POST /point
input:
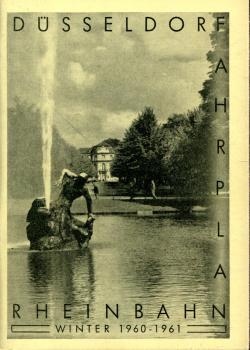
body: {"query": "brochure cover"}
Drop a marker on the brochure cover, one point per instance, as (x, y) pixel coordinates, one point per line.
(124, 187)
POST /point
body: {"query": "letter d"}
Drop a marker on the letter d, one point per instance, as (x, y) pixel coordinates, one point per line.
(15, 23)
(147, 29)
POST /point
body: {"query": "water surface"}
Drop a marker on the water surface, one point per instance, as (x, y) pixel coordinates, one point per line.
(130, 260)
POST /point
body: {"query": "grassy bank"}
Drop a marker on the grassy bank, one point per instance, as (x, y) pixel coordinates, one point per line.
(109, 205)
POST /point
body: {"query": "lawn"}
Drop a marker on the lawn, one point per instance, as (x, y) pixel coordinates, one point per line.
(108, 205)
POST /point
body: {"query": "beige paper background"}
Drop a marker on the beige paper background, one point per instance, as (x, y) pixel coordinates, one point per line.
(239, 185)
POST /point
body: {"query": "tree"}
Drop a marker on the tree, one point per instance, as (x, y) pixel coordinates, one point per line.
(25, 177)
(217, 82)
(140, 156)
(192, 167)
(217, 87)
(79, 163)
(110, 142)
(187, 170)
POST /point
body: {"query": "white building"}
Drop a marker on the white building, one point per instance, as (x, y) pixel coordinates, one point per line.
(101, 157)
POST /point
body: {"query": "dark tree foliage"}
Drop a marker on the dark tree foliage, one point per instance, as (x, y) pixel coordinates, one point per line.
(191, 164)
(140, 155)
(25, 177)
(217, 83)
(187, 170)
(217, 86)
(79, 163)
(111, 142)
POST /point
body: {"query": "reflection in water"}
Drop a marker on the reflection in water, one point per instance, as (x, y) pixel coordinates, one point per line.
(151, 270)
(40, 270)
(145, 260)
(66, 276)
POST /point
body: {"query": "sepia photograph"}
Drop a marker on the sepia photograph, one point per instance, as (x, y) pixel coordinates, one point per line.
(118, 175)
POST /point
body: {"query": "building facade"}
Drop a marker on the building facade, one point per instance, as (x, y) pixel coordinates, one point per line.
(102, 157)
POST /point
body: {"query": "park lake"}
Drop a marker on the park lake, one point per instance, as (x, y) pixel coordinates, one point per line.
(165, 259)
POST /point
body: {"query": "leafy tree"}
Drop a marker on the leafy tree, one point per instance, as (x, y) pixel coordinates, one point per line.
(140, 155)
(81, 163)
(192, 166)
(217, 86)
(187, 170)
(217, 83)
(110, 142)
(25, 177)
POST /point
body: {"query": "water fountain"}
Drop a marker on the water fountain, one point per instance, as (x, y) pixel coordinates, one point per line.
(47, 77)
(51, 225)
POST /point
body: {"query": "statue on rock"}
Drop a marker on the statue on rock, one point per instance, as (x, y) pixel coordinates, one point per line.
(57, 228)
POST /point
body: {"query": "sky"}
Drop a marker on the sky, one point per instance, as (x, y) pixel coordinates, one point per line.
(102, 80)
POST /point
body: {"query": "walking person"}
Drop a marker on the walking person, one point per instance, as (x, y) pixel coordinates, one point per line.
(96, 190)
(153, 189)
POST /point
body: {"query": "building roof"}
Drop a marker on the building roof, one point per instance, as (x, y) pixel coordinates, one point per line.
(111, 144)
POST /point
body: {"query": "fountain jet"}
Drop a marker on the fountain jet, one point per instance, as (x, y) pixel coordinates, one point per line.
(47, 76)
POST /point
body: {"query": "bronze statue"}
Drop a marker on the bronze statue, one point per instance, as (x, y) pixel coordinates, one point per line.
(56, 228)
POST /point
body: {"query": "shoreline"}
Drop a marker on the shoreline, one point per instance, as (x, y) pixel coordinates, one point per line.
(139, 206)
